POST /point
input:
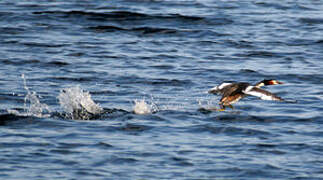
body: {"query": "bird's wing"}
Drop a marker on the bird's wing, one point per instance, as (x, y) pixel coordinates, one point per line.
(232, 92)
(220, 88)
(262, 94)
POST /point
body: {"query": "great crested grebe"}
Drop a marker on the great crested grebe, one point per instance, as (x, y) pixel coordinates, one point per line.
(233, 91)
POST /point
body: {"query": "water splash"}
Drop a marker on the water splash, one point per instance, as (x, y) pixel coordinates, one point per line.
(78, 104)
(143, 107)
(32, 105)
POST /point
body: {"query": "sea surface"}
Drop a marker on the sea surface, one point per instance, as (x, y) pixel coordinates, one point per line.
(118, 89)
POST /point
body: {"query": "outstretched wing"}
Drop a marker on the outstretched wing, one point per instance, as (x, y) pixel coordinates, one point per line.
(262, 94)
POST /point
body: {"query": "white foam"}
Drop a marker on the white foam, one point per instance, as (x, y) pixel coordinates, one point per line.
(142, 107)
(74, 99)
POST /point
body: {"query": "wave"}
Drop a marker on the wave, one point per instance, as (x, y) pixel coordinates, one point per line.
(119, 15)
(7, 118)
(128, 17)
(109, 15)
(310, 21)
(144, 30)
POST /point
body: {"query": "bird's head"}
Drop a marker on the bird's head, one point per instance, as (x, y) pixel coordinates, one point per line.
(271, 82)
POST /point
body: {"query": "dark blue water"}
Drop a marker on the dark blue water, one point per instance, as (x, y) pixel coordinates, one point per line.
(167, 53)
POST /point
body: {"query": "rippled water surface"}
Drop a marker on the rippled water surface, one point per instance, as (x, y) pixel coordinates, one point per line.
(140, 70)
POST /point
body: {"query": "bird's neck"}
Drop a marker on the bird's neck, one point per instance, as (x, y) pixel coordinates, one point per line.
(260, 84)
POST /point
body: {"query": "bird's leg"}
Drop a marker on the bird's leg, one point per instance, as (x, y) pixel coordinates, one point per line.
(222, 107)
(231, 106)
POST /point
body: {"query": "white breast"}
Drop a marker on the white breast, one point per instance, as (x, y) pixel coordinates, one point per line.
(262, 94)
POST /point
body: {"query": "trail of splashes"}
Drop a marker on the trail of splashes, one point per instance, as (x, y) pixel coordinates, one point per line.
(154, 104)
(207, 102)
(34, 107)
(78, 104)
